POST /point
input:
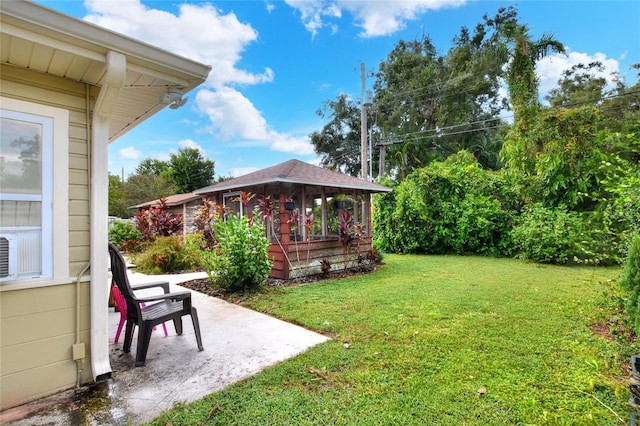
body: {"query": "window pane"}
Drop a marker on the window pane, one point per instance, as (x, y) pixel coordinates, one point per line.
(314, 217)
(231, 206)
(333, 209)
(20, 156)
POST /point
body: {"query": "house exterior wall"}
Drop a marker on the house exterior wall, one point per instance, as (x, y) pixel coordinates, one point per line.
(38, 319)
(188, 213)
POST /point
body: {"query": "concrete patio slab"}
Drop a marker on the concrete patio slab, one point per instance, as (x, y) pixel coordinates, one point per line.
(238, 343)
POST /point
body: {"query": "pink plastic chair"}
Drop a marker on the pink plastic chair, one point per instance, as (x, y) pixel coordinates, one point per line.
(122, 308)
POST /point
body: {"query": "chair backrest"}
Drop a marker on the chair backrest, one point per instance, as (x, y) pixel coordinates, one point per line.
(121, 303)
(119, 273)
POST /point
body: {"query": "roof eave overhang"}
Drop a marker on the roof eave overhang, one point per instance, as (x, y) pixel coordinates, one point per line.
(86, 42)
(295, 182)
(85, 39)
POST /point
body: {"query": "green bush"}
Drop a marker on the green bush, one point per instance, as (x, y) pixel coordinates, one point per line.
(241, 260)
(630, 281)
(453, 206)
(619, 208)
(548, 235)
(169, 255)
(124, 235)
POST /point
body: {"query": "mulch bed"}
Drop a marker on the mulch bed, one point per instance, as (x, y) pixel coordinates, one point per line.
(204, 286)
(614, 329)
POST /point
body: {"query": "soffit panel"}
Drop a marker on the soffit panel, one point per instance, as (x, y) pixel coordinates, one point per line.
(150, 71)
(41, 57)
(76, 70)
(19, 52)
(94, 72)
(60, 62)
(140, 98)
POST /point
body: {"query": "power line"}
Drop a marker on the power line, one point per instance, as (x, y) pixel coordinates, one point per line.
(602, 98)
(389, 102)
(455, 126)
(420, 132)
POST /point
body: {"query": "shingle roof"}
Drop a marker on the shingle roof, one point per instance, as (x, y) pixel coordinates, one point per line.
(297, 172)
(171, 201)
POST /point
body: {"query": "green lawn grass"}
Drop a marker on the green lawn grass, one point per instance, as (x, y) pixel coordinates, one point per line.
(439, 340)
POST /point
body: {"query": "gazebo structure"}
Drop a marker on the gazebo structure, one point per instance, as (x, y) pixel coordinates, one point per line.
(313, 208)
(185, 205)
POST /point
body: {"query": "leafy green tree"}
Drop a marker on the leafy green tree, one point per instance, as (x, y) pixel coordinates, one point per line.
(338, 143)
(584, 85)
(523, 53)
(426, 106)
(117, 197)
(434, 105)
(153, 167)
(189, 170)
(579, 85)
(567, 161)
(619, 109)
(145, 187)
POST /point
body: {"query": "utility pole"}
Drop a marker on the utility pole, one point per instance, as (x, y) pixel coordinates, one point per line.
(381, 160)
(383, 147)
(363, 127)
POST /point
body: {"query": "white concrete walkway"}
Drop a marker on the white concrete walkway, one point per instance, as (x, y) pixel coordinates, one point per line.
(238, 343)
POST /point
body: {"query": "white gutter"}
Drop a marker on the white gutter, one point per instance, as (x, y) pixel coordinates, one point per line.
(116, 67)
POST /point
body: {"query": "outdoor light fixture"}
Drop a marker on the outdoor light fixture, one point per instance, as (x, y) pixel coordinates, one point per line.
(173, 98)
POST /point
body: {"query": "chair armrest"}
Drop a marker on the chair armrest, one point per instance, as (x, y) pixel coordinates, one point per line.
(163, 284)
(180, 295)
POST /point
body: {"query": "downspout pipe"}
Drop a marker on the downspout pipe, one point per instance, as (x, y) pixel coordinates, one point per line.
(116, 69)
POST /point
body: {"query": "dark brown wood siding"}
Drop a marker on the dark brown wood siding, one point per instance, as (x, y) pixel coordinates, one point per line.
(304, 258)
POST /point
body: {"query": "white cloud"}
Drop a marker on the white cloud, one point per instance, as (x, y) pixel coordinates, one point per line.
(203, 33)
(188, 143)
(199, 31)
(313, 12)
(232, 114)
(240, 171)
(129, 153)
(294, 145)
(235, 118)
(165, 156)
(549, 70)
(270, 6)
(386, 17)
(376, 18)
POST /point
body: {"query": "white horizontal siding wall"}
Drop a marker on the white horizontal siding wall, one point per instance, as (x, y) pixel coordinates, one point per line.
(37, 324)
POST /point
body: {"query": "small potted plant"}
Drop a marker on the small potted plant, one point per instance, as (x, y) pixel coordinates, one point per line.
(289, 204)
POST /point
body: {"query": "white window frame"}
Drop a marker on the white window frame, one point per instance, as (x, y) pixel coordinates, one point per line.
(55, 177)
(230, 196)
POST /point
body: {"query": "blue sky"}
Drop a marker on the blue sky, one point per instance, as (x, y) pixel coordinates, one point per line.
(276, 62)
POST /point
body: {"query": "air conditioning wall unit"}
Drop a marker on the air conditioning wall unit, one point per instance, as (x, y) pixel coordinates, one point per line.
(8, 257)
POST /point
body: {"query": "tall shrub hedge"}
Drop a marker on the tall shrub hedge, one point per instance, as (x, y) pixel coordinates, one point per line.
(630, 281)
(454, 206)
